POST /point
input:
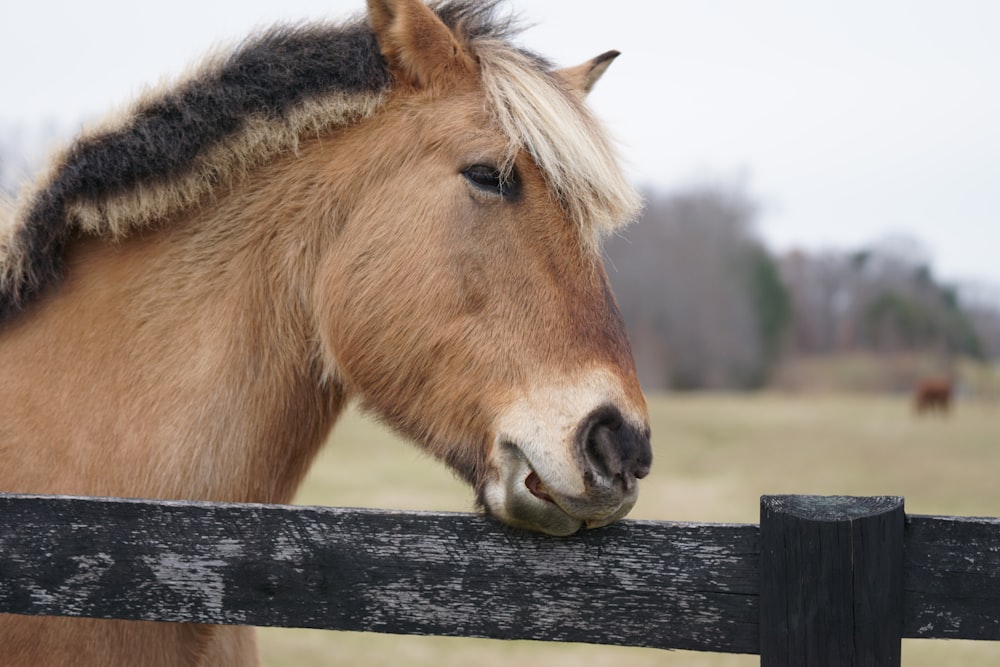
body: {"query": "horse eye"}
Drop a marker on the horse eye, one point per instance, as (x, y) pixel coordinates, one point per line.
(488, 178)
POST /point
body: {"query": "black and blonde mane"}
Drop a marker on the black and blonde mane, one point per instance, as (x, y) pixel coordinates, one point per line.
(238, 110)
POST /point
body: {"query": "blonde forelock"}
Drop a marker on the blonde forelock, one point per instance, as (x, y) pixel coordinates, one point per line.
(571, 148)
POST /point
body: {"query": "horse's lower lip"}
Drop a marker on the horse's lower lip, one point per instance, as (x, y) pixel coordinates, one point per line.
(534, 484)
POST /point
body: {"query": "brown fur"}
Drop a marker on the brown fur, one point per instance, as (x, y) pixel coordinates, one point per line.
(933, 394)
(207, 357)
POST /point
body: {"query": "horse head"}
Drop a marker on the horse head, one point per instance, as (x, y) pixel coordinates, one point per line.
(464, 300)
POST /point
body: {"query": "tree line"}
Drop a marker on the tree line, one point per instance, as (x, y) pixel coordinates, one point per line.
(709, 306)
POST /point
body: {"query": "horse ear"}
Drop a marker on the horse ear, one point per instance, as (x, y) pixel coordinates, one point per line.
(420, 49)
(583, 77)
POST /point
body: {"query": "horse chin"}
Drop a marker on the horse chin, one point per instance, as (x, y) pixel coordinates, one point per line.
(524, 510)
(520, 498)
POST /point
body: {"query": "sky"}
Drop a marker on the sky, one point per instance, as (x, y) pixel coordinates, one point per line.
(849, 121)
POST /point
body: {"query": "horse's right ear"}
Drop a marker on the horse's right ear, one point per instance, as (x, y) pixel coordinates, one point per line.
(583, 77)
(420, 50)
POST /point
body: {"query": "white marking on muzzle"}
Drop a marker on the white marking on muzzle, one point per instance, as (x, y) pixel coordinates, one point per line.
(543, 423)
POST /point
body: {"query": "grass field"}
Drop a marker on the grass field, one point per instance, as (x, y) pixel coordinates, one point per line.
(714, 455)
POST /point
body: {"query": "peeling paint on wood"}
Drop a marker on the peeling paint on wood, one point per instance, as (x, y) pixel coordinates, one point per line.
(951, 588)
(666, 585)
(635, 583)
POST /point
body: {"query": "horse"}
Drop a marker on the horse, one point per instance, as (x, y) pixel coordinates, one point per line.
(402, 211)
(933, 394)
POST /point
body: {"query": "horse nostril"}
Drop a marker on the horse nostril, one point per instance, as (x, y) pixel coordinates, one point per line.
(613, 448)
(600, 449)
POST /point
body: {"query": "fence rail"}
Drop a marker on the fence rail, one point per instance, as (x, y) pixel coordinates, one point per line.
(816, 570)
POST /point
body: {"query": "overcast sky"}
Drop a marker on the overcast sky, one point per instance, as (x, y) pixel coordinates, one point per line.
(850, 120)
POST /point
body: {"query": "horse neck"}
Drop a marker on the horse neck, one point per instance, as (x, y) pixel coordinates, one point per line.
(252, 260)
(195, 348)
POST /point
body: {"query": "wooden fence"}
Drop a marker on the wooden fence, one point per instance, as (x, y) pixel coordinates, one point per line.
(821, 581)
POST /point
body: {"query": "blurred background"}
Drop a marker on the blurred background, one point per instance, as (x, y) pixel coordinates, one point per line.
(821, 233)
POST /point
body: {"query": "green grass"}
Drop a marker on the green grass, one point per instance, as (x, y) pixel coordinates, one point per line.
(715, 455)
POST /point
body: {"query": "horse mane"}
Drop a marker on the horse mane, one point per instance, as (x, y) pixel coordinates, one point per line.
(178, 144)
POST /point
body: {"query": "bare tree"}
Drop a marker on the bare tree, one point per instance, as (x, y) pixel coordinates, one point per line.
(693, 282)
(884, 298)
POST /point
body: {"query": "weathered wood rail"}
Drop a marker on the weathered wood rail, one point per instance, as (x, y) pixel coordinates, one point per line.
(821, 581)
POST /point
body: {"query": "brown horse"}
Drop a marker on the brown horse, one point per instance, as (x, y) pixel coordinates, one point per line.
(405, 211)
(933, 394)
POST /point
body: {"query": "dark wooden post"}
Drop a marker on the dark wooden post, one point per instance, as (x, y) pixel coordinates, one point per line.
(831, 589)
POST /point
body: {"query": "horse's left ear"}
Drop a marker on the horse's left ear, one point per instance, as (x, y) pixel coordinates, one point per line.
(420, 49)
(583, 77)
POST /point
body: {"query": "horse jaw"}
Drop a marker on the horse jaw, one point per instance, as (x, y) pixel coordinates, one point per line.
(542, 477)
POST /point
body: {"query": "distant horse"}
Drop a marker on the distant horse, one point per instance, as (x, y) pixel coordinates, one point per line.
(405, 211)
(933, 394)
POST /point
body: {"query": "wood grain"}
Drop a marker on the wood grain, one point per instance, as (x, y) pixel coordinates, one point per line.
(952, 578)
(635, 583)
(665, 585)
(832, 581)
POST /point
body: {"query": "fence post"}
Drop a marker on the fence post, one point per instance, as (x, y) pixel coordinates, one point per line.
(831, 590)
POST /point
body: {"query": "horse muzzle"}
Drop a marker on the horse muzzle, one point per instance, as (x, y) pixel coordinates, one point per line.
(553, 492)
